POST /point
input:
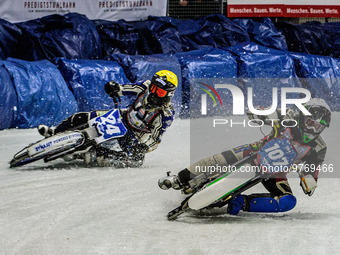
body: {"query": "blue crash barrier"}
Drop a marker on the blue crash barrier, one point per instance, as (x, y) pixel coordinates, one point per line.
(8, 99)
(70, 36)
(263, 68)
(158, 36)
(209, 67)
(154, 36)
(312, 37)
(332, 31)
(264, 33)
(321, 76)
(162, 35)
(119, 37)
(9, 38)
(73, 36)
(211, 31)
(42, 94)
(35, 92)
(87, 78)
(143, 67)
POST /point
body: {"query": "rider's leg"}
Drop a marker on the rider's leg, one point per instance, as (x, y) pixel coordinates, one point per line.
(187, 176)
(280, 198)
(75, 120)
(197, 169)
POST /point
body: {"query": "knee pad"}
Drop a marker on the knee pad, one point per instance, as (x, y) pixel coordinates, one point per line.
(269, 204)
(287, 203)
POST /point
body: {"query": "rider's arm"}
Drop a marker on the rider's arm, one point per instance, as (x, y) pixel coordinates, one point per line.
(134, 89)
(310, 173)
(114, 89)
(315, 158)
(158, 127)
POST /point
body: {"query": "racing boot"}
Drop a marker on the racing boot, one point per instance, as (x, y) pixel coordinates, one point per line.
(169, 181)
(46, 131)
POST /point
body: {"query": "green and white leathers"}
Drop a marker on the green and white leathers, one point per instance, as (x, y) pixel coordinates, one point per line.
(312, 125)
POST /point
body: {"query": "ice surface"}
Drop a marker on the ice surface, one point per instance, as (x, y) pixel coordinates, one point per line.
(58, 208)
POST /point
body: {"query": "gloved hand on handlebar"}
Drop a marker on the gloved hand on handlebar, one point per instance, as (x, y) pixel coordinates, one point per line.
(308, 184)
(114, 90)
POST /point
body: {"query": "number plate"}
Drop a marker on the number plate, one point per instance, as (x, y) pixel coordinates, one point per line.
(108, 126)
(277, 155)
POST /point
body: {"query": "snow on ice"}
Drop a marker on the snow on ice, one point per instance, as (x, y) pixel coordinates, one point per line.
(58, 208)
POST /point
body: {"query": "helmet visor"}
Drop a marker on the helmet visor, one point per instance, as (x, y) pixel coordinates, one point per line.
(158, 91)
(313, 126)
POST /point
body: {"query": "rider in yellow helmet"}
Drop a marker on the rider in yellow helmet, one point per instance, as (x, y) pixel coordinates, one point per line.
(162, 88)
(146, 118)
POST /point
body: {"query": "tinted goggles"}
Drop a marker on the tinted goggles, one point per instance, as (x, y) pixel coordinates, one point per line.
(158, 91)
(313, 125)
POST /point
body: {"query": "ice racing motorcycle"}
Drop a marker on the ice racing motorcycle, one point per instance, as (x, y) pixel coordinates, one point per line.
(278, 155)
(98, 132)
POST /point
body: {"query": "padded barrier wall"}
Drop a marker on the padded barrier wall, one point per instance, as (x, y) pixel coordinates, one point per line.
(204, 66)
(42, 94)
(74, 36)
(86, 79)
(156, 35)
(33, 92)
(10, 35)
(70, 36)
(321, 76)
(8, 99)
(264, 33)
(262, 69)
(184, 46)
(312, 37)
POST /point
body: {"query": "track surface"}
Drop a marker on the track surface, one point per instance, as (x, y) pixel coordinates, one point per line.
(58, 208)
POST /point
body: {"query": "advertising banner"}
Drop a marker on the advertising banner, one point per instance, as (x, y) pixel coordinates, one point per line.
(130, 10)
(286, 8)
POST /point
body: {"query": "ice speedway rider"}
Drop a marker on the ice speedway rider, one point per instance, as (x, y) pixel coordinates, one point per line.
(280, 197)
(146, 119)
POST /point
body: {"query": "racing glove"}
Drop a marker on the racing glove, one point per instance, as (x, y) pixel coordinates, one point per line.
(114, 90)
(308, 184)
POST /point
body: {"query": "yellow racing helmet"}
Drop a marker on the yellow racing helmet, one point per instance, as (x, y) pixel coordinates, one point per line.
(162, 88)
